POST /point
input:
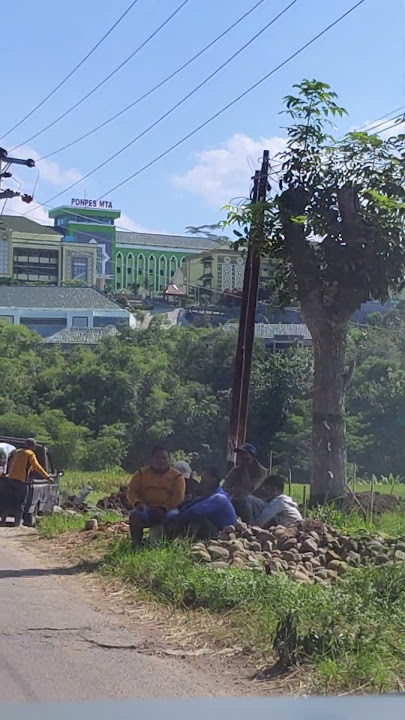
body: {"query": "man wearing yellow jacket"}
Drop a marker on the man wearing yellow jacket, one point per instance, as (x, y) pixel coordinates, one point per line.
(155, 492)
(21, 464)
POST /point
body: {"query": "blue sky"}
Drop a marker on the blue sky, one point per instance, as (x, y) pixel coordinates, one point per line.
(363, 58)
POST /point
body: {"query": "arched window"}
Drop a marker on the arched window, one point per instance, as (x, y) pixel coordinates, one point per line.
(130, 270)
(119, 270)
(162, 272)
(140, 269)
(173, 267)
(182, 261)
(152, 272)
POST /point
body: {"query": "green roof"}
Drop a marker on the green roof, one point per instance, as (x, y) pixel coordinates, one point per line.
(84, 212)
(16, 223)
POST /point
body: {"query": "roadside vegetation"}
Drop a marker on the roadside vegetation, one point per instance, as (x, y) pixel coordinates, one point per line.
(347, 637)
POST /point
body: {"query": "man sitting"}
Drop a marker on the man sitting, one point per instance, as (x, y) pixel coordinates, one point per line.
(210, 512)
(281, 509)
(243, 480)
(155, 491)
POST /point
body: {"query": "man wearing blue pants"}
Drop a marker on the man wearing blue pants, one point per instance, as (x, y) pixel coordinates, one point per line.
(211, 511)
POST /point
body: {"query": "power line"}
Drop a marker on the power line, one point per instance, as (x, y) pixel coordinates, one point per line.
(156, 87)
(236, 100)
(177, 105)
(233, 102)
(72, 72)
(120, 227)
(124, 229)
(108, 77)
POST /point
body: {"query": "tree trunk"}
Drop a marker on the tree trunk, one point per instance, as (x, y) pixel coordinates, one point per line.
(328, 474)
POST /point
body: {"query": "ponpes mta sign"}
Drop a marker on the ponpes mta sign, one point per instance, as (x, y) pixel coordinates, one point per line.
(84, 202)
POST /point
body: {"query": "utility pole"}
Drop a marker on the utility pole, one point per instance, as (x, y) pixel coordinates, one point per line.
(243, 358)
(5, 173)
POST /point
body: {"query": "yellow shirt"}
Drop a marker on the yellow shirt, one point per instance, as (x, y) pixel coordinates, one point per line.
(156, 489)
(22, 463)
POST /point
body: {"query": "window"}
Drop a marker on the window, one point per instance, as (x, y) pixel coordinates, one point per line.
(7, 318)
(80, 322)
(79, 268)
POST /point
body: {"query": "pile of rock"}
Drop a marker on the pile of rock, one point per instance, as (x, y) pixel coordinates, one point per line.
(116, 501)
(310, 551)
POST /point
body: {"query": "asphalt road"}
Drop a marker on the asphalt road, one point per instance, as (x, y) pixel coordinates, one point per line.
(51, 641)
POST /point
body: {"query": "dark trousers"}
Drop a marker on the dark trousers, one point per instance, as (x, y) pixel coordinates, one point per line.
(248, 507)
(12, 498)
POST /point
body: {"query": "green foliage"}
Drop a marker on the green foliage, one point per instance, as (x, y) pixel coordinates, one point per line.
(348, 633)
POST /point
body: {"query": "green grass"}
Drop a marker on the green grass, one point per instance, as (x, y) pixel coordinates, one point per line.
(103, 482)
(351, 635)
(50, 526)
(398, 490)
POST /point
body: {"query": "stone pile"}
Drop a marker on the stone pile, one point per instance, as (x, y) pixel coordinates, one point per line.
(116, 501)
(310, 551)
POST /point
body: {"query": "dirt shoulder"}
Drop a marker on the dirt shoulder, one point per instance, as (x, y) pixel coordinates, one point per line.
(200, 639)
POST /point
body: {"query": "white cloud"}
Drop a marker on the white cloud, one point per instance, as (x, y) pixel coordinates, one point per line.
(126, 223)
(224, 173)
(38, 213)
(49, 170)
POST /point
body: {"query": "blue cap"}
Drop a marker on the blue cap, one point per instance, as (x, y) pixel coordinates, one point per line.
(247, 447)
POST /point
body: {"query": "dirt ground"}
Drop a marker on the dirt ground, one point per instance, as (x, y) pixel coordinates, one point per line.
(195, 637)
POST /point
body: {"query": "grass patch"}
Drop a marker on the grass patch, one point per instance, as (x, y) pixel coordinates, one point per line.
(391, 524)
(398, 489)
(50, 526)
(352, 634)
(103, 483)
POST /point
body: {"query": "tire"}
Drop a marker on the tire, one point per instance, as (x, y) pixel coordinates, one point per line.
(30, 519)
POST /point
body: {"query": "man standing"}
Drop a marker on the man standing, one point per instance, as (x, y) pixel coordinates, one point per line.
(22, 463)
(155, 492)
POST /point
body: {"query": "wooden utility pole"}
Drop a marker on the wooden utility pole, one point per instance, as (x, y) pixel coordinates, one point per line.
(243, 358)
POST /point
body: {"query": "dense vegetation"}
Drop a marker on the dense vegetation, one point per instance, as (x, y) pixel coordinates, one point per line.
(104, 407)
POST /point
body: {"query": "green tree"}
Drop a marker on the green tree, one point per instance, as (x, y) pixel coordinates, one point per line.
(335, 225)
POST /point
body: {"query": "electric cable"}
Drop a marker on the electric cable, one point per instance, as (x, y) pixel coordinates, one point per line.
(108, 77)
(72, 72)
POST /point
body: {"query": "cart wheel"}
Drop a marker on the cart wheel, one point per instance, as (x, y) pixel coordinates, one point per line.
(30, 519)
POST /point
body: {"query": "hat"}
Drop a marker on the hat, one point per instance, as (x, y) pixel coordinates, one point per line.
(183, 467)
(247, 448)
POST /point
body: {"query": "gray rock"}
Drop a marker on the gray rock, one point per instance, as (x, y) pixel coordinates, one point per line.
(219, 565)
(91, 524)
(218, 553)
(202, 555)
(288, 556)
(287, 544)
(309, 546)
(381, 559)
(238, 562)
(301, 576)
(399, 556)
(267, 546)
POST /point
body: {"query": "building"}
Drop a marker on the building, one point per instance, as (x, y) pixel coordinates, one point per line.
(49, 310)
(90, 223)
(219, 270)
(33, 252)
(150, 260)
(278, 336)
(70, 338)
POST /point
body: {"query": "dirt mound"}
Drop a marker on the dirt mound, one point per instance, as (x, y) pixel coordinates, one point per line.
(116, 501)
(382, 503)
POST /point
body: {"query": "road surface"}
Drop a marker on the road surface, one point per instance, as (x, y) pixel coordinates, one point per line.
(51, 641)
